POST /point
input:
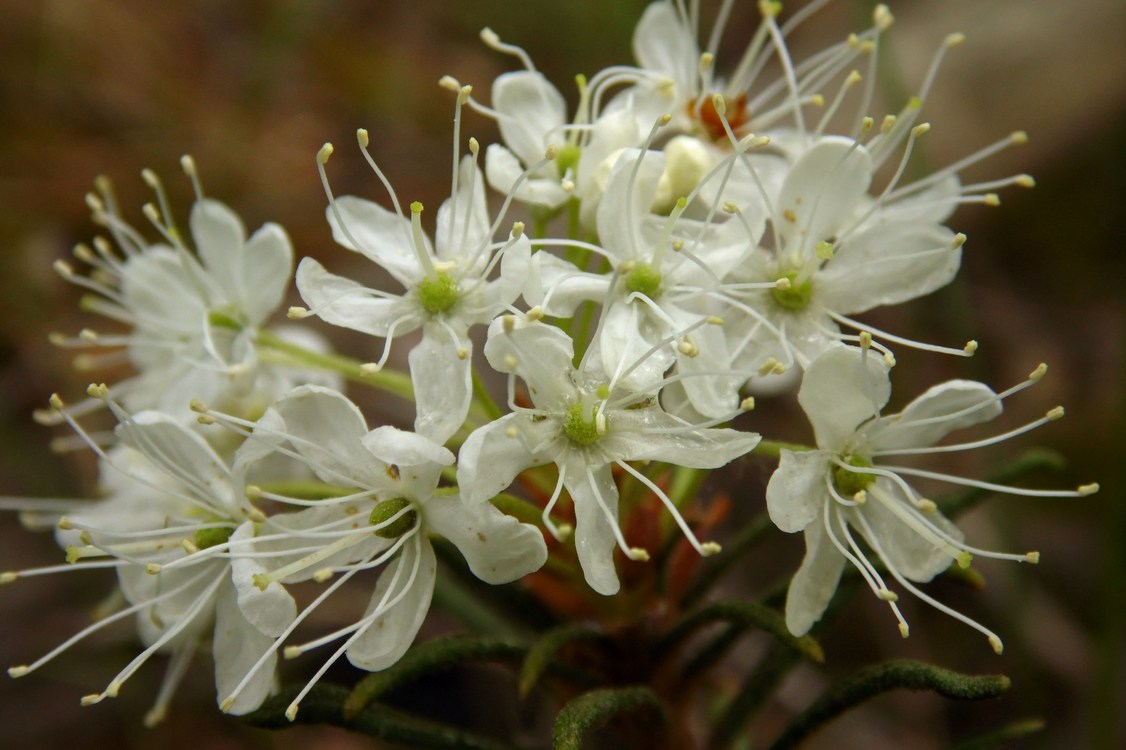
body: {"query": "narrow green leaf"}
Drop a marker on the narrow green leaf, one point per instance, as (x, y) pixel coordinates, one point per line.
(870, 681)
(428, 657)
(325, 705)
(543, 651)
(755, 691)
(747, 614)
(593, 709)
(1014, 731)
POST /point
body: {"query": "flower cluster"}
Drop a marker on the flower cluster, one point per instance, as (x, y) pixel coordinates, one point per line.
(723, 229)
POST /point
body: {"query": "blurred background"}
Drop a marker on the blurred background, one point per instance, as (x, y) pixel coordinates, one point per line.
(252, 89)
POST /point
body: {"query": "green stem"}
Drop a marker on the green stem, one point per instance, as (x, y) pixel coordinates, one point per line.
(275, 348)
(774, 448)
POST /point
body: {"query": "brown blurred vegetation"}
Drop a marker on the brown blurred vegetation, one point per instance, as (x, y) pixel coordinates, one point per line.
(252, 89)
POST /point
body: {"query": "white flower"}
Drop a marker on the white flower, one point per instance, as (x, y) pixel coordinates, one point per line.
(842, 486)
(396, 506)
(585, 424)
(172, 525)
(193, 317)
(447, 288)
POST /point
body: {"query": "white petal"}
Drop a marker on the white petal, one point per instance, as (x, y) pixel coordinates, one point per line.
(888, 264)
(943, 409)
(389, 636)
(815, 582)
(219, 236)
(531, 113)
(932, 205)
(490, 459)
(559, 286)
(160, 293)
(796, 493)
(442, 380)
(497, 547)
(841, 389)
(649, 434)
(463, 221)
(821, 193)
(179, 452)
(594, 533)
(629, 194)
(237, 646)
(328, 429)
(381, 235)
(343, 302)
(914, 555)
(540, 354)
(267, 262)
(626, 340)
(663, 43)
(271, 610)
(503, 169)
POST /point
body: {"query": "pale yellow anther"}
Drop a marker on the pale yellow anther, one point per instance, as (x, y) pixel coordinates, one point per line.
(747, 404)
(720, 104)
(509, 323)
(707, 60)
(1040, 371)
(866, 47)
(1025, 181)
(707, 549)
(769, 8)
(1054, 414)
(638, 554)
(688, 347)
(1088, 489)
(551, 152)
(771, 366)
(261, 581)
(8, 576)
(95, 204)
(904, 630)
(517, 229)
(991, 199)
(823, 250)
(510, 361)
(888, 595)
(953, 40)
(291, 652)
(867, 123)
(463, 353)
(882, 17)
(64, 524)
(197, 406)
(564, 531)
(187, 163)
(362, 137)
(568, 185)
(463, 93)
(97, 390)
(55, 401)
(888, 123)
(1032, 557)
(152, 568)
(19, 671)
(926, 506)
(817, 100)
(964, 560)
(860, 497)
(291, 712)
(730, 207)
(921, 129)
(489, 37)
(88, 335)
(1019, 137)
(714, 320)
(865, 340)
(534, 315)
(84, 253)
(62, 268)
(677, 245)
(600, 425)
(853, 78)
(324, 153)
(664, 120)
(369, 368)
(227, 704)
(255, 515)
(449, 83)
(253, 492)
(89, 700)
(853, 41)
(511, 432)
(189, 546)
(959, 240)
(86, 538)
(151, 213)
(783, 283)
(995, 642)
(322, 575)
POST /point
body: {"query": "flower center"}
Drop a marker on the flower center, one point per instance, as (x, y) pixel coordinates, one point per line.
(644, 279)
(737, 115)
(385, 510)
(204, 538)
(847, 482)
(438, 293)
(567, 158)
(797, 296)
(579, 429)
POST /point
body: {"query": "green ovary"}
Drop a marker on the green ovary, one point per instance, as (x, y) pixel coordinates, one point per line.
(205, 538)
(438, 293)
(847, 482)
(797, 297)
(567, 158)
(579, 429)
(383, 511)
(644, 279)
